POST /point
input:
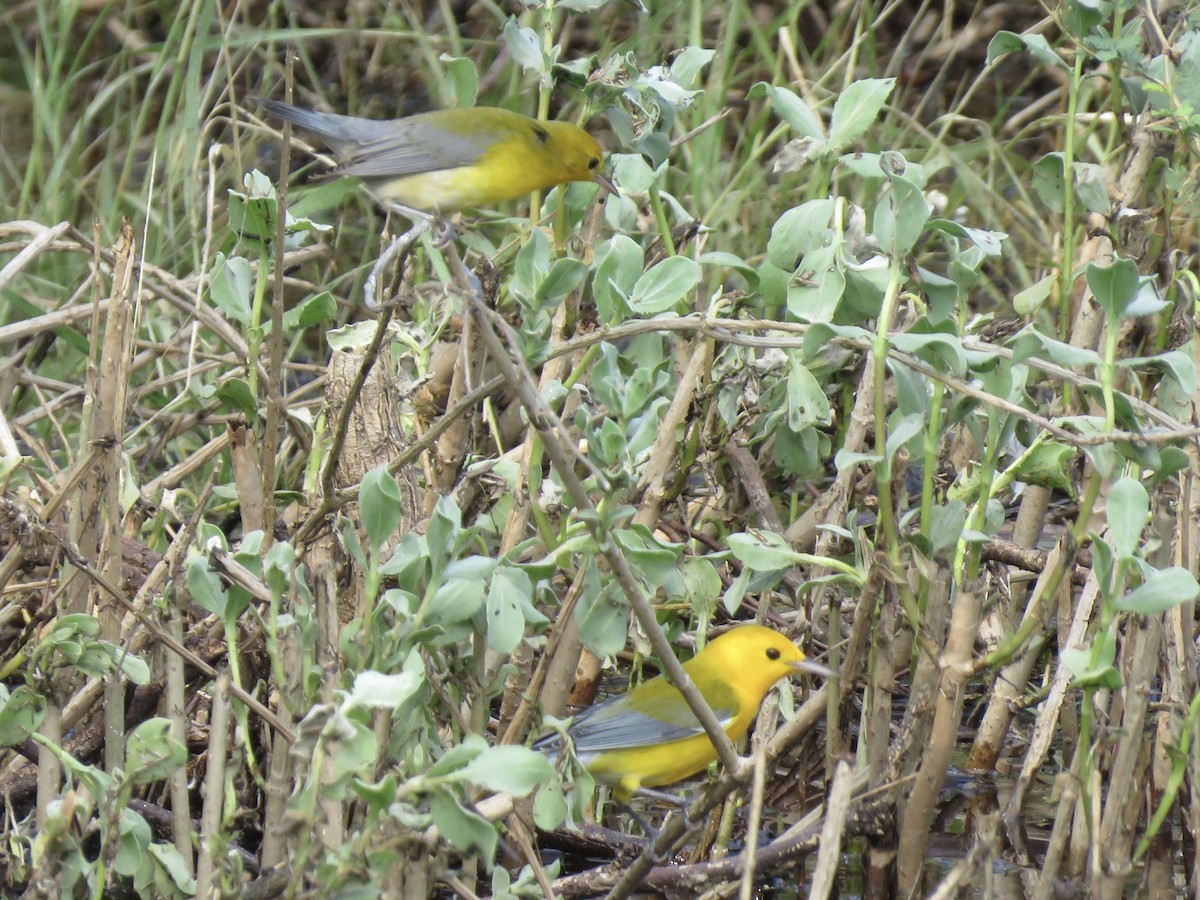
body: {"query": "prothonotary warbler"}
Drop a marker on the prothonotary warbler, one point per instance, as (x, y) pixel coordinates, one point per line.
(650, 736)
(449, 159)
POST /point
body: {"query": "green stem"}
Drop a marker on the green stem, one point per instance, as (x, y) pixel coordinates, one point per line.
(930, 465)
(1068, 251)
(254, 338)
(883, 469)
(660, 219)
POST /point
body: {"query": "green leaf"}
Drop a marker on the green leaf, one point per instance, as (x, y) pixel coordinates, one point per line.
(602, 613)
(352, 544)
(170, 861)
(379, 499)
(375, 690)
(664, 285)
(807, 404)
(465, 829)
(315, 310)
(619, 263)
(1115, 286)
(408, 560)
(792, 109)
(355, 757)
(151, 753)
(1171, 461)
(946, 525)
(902, 431)
(687, 65)
(463, 79)
(634, 174)
(456, 600)
(990, 242)
(799, 231)
(1128, 512)
(1032, 343)
(136, 836)
(468, 568)
(900, 217)
(510, 768)
(1147, 301)
(1163, 590)
(95, 780)
(819, 298)
(21, 714)
(253, 213)
(454, 759)
(1049, 465)
(564, 277)
(524, 46)
(352, 337)
(1030, 298)
(510, 591)
(1077, 661)
(1005, 42)
(763, 551)
(205, 587)
(941, 349)
(532, 265)
(230, 286)
(1050, 180)
(843, 459)
(133, 667)
(856, 110)
(1179, 364)
(725, 260)
(1091, 189)
(651, 559)
(76, 624)
(235, 393)
(731, 600)
(321, 197)
(379, 795)
(701, 584)
(549, 807)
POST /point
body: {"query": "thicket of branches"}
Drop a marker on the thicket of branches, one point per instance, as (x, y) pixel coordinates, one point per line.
(888, 342)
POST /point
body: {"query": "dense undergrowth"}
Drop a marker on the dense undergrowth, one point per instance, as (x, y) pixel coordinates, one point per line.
(888, 342)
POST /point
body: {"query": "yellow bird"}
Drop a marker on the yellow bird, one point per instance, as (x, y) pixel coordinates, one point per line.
(449, 159)
(650, 736)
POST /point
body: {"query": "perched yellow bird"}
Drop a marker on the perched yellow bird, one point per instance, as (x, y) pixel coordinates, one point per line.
(448, 159)
(650, 736)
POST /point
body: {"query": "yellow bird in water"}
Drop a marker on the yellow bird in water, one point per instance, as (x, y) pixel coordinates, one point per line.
(449, 159)
(650, 736)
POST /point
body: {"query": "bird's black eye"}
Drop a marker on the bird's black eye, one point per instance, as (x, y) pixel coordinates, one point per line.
(772, 653)
(541, 134)
(593, 163)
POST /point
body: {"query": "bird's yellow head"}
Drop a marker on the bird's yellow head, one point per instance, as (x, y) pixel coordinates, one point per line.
(578, 156)
(760, 656)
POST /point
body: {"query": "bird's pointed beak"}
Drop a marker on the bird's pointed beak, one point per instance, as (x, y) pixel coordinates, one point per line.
(606, 183)
(813, 668)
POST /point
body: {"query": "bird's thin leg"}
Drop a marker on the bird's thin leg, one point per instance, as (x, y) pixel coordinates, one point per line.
(680, 803)
(421, 222)
(676, 800)
(414, 215)
(443, 232)
(657, 858)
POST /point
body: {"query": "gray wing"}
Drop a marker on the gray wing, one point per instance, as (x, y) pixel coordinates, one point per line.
(378, 148)
(617, 723)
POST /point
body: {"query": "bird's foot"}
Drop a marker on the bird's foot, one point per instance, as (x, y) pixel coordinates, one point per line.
(678, 801)
(444, 234)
